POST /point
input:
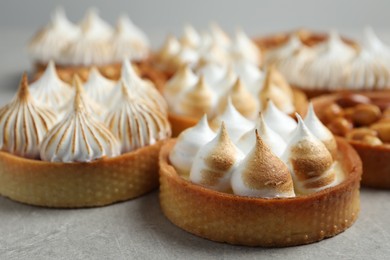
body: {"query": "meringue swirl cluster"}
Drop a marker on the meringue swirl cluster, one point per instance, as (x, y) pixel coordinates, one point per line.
(207, 90)
(54, 122)
(276, 158)
(91, 42)
(214, 45)
(333, 64)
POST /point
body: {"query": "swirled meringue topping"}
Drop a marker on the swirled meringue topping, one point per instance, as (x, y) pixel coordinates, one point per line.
(24, 123)
(191, 37)
(188, 144)
(79, 138)
(279, 121)
(49, 42)
(99, 88)
(374, 45)
(273, 140)
(262, 174)
(283, 52)
(197, 101)
(320, 131)
(50, 90)
(236, 124)
(242, 100)
(215, 162)
(183, 80)
(129, 41)
(136, 123)
(309, 161)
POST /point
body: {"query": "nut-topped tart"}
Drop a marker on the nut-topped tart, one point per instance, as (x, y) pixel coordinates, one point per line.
(363, 120)
(81, 153)
(278, 183)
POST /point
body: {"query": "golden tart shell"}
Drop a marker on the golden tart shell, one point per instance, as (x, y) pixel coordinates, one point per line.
(375, 159)
(179, 122)
(74, 185)
(249, 221)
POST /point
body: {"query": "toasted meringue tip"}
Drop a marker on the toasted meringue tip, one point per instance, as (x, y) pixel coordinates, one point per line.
(124, 89)
(23, 91)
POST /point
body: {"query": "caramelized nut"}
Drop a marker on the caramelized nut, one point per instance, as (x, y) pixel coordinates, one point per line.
(383, 130)
(351, 100)
(331, 112)
(386, 113)
(340, 126)
(366, 114)
(372, 140)
(361, 133)
(383, 103)
(348, 113)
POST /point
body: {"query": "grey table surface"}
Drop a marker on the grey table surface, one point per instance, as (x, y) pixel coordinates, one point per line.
(137, 229)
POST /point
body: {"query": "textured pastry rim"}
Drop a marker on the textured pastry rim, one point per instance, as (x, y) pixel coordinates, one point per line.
(74, 185)
(249, 221)
(376, 167)
(179, 122)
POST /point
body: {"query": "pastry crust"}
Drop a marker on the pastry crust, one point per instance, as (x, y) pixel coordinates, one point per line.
(179, 123)
(249, 221)
(111, 71)
(376, 167)
(74, 185)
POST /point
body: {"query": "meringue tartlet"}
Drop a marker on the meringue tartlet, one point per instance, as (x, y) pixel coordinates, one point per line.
(81, 153)
(76, 48)
(320, 63)
(210, 90)
(279, 184)
(362, 119)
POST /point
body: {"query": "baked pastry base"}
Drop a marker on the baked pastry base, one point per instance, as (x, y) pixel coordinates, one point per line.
(111, 71)
(74, 185)
(376, 166)
(249, 221)
(180, 123)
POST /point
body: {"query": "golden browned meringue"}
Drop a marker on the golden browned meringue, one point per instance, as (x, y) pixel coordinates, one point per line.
(262, 174)
(215, 162)
(243, 101)
(24, 123)
(197, 101)
(275, 88)
(136, 123)
(309, 161)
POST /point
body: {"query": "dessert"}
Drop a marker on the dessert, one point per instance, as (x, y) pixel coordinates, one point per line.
(362, 119)
(248, 192)
(76, 48)
(79, 158)
(191, 94)
(320, 63)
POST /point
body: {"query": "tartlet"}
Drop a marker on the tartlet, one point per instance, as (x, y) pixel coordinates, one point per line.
(78, 158)
(75, 49)
(319, 63)
(251, 192)
(368, 140)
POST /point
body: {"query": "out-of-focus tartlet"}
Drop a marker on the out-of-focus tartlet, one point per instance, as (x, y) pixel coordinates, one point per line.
(323, 63)
(276, 184)
(191, 93)
(75, 147)
(363, 120)
(76, 48)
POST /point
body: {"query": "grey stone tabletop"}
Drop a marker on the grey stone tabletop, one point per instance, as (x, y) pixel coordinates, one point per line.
(137, 229)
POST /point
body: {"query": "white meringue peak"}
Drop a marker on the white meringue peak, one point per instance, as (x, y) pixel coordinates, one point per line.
(280, 122)
(50, 90)
(78, 138)
(48, 43)
(98, 87)
(214, 162)
(219, 36)
(129, 41)
(262, 174)
(24, 123)
(170, 48)
(191, 37)
(309, 161)
(236, 124)
(188, 144)
(250, 74)
(243, 48)
(212, 73)
(374, 45)
(135, 123)
(273, 140)
(320, 131)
